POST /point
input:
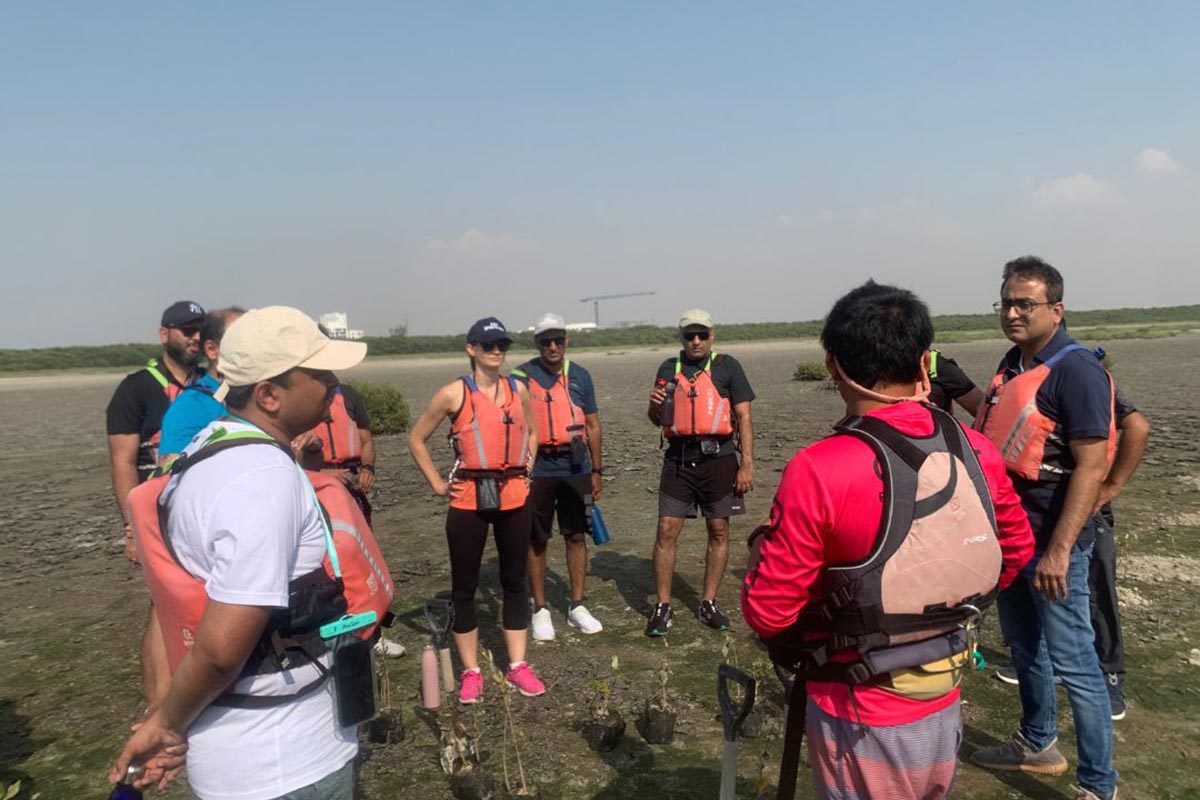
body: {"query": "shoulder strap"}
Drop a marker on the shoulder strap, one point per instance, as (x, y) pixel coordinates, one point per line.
(1054, 359)
(152, 368)
(469, 381)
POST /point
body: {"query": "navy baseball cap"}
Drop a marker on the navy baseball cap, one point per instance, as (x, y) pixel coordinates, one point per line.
(182, 312)
(488, 329)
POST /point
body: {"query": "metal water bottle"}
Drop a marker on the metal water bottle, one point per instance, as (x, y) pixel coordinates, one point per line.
(431, 695)
(125, 789)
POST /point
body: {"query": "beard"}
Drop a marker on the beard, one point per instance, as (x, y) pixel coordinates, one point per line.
(182, 356)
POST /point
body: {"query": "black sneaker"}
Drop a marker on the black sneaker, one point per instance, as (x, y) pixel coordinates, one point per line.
(660, 620)
(711, 616)
(1116, 693)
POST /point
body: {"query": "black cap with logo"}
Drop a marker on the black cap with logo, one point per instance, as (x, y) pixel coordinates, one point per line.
(183, 312)
(488, 329)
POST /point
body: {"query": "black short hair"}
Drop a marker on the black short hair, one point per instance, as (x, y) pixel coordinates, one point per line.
(1038, 269)
(212, 329)
(877, 333)
(238, 397)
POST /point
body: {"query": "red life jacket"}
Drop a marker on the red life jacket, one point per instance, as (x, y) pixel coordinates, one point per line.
(699, 409)
(340, 441)
(489, 441)
(558, 418)
(354, 578)
(1028, 440)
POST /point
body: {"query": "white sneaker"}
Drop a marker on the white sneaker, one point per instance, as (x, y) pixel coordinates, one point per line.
(388, 649)
(581, 618)
(543, 626)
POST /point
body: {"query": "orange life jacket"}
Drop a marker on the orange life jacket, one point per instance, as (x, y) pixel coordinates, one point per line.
(558, 418)
(699, 409)
(354, 578)
(340, 442)
(1009, 416)
(490, 441)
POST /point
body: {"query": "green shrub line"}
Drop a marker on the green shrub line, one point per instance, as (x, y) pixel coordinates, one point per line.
(810, 371)
(949, 327)
(385, 405)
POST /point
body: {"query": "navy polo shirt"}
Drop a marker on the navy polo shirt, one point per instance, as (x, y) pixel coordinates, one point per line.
(1078, 397)
(583, 394)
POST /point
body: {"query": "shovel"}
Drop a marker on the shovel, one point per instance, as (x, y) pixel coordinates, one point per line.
(439, 615)
(732, 718)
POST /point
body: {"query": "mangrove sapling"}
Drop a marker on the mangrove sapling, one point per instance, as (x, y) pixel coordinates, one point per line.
(388, 725)
(606, 727)
(459, 758)
(522, 789)
(658, 721)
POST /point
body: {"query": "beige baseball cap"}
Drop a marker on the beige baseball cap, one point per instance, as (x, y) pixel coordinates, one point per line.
(695, 316)
(266, 342)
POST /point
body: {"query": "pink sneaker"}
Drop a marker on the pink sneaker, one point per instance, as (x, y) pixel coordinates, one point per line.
(525, 682)
(472, 686)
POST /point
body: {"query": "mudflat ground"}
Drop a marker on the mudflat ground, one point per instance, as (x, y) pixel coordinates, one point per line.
(72, 610)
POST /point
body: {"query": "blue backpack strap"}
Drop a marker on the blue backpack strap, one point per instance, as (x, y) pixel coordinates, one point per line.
(469, 380)
(1071, 348)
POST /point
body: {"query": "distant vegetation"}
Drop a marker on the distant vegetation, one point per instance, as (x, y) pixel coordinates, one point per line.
(385, 405)
(810, 371)
(1119, 323)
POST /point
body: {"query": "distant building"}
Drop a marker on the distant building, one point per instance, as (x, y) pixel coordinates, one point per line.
(339, 326)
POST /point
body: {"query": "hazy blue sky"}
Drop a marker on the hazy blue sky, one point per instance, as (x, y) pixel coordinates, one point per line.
(446, 161)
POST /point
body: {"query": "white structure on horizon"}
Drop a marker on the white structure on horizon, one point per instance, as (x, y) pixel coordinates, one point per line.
(339, 326)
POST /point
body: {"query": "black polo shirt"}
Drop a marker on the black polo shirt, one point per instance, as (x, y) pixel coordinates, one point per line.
(1078, 397)
(948, 382)
(729, 378)
(138, 406)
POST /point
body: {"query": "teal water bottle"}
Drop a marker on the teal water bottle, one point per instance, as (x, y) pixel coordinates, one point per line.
(599, 529)
(125, 789)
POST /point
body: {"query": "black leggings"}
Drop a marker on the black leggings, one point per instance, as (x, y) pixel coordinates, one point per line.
(466, 533)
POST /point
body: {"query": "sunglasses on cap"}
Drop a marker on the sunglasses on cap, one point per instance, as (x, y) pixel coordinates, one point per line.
(687, 336)
(501, 344)
(549, 340)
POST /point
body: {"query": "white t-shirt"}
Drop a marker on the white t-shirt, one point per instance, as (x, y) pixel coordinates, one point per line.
(245, 522)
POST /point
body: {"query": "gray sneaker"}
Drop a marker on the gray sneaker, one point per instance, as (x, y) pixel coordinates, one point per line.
(1088, 794)
(1018, 754)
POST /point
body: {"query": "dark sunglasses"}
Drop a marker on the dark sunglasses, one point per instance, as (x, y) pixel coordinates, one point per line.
(502, 345)
(555, 340)
(701, 335)
(188, 330)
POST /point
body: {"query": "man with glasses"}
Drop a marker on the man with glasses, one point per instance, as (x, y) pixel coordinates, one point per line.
(1050, 411)
(197, 406)
(567, 472)
(701, 400)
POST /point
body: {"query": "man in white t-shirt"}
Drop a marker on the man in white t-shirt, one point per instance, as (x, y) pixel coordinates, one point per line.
(245, 521)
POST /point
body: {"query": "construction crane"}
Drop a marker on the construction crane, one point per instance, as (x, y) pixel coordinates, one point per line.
(595, 301)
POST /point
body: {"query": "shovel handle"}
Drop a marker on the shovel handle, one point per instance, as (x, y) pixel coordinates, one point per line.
(733, 717)
(439, 616)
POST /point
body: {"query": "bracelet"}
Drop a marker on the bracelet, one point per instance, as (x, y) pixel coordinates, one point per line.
(368, 467)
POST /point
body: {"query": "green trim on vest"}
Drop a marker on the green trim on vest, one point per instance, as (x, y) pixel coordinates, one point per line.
(933, 357)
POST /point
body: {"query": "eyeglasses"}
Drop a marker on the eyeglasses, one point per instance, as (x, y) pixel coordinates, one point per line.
(502, 345)
(188, 330)
(558, 341)
(1024, 307)
(687, 336)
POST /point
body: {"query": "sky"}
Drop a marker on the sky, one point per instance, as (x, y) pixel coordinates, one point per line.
(436, 163)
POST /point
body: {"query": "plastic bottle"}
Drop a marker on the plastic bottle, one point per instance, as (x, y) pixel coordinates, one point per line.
(667, 414)
(125, 789)
(431, 695)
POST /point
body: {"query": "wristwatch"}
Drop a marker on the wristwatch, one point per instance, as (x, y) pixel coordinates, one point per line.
(368, 467)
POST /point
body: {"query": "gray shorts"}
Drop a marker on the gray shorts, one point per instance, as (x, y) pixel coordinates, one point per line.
(337, 785)
(707, 485)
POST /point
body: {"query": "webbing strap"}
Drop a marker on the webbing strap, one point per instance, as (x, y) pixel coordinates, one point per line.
(152, 368)
(793, 736)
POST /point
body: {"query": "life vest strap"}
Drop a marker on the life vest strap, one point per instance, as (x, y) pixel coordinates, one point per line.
(255, 701)
(494, 474)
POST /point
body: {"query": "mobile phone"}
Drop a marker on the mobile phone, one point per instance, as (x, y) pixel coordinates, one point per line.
(354, 687)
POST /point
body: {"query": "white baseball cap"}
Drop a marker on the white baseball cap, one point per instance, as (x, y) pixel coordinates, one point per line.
(549, 322)
(266, 342)
(695, 316)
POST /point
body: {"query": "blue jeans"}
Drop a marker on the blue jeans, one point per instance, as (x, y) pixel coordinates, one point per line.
(1049, 639)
